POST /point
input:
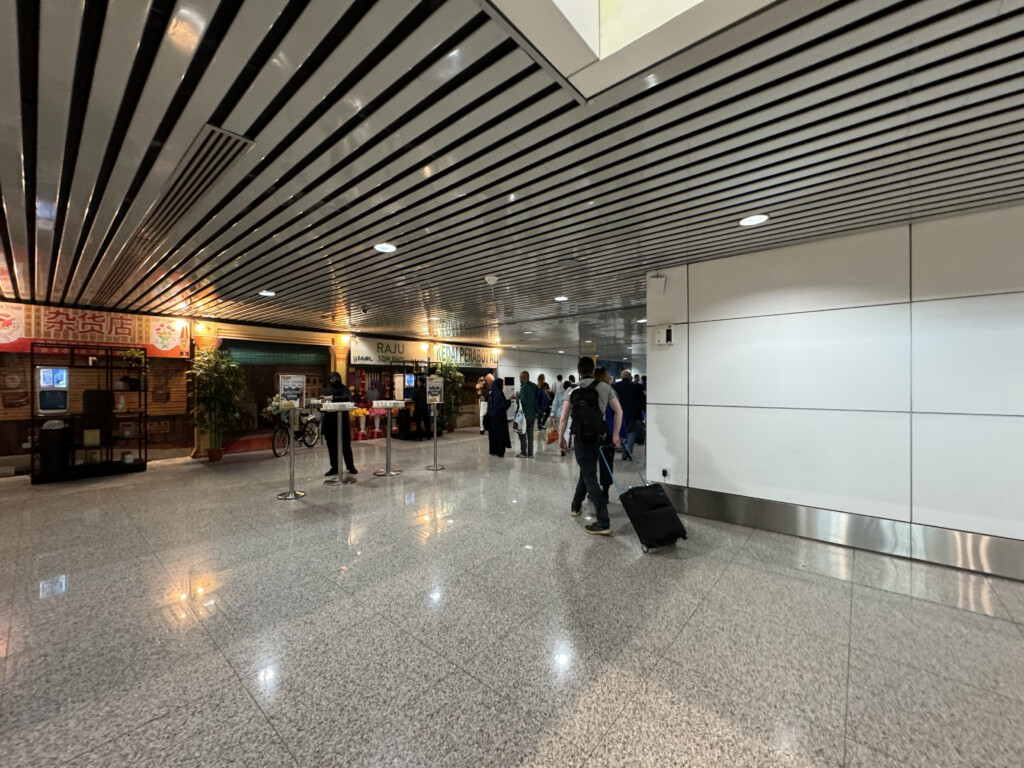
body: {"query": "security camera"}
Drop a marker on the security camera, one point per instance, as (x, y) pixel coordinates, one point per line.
(490, 279)
(365, 309)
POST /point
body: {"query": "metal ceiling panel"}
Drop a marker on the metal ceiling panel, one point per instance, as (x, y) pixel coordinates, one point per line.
(423, 123)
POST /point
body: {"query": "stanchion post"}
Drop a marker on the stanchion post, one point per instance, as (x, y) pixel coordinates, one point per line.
(388, 471)
(291, 493)
(435, 467)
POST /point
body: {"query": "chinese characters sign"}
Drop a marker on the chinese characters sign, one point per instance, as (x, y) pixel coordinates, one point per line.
(21, 324)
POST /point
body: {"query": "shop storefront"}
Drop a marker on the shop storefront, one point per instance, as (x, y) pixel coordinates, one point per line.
(375, 362)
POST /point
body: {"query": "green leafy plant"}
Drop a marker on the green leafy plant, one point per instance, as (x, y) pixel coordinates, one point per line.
(135, 358)
(217, 381)
(452, 396)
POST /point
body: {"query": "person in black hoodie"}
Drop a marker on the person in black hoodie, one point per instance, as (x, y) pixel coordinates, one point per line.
(338, 393)
(420, 413)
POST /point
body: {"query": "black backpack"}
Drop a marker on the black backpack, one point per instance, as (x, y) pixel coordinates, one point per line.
(588, 424)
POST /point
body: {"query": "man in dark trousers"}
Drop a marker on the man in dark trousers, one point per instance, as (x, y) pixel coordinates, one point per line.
(338, 393)
(586, 405)
(631, 397)
(420, 412)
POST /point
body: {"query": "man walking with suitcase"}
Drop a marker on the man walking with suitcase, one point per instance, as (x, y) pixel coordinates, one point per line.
(586, 404)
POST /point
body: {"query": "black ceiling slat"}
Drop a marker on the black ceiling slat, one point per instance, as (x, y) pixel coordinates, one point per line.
(341, 30)
(93, 18)
(278, 30)
(740, 98)
(157, 19)
(5, 241)
(330, 42)
(28, 73)
(212, 37)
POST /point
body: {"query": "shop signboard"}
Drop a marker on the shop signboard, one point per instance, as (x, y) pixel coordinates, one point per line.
(22, 324)
(290, 387)
(373, 351)
(435, 389)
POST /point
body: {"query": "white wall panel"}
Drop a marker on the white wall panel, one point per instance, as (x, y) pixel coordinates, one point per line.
(969, 255)
(667, 368)
(666, 296)
(860, 270)
(969, 355)
(666, 444)
(856, 359)
(854, 462)
(967, 473)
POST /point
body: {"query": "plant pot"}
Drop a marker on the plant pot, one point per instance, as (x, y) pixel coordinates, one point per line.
(362, 423)
(449, 427)
(376, 423)
(215, 454)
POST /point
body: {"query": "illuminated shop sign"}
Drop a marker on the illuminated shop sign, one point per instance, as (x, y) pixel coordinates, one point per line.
(371, 351)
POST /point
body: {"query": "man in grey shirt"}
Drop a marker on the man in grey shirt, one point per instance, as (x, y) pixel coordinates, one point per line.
(587, 447)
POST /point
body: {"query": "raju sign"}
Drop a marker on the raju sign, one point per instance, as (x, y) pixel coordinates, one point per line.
(371, 351)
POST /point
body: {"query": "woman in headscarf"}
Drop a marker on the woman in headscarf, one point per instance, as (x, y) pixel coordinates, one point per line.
(497, 417)
(338, 393)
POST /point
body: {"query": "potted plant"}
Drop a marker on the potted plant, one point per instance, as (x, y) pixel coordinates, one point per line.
(216, 381)
(451, 399)
(134, 358)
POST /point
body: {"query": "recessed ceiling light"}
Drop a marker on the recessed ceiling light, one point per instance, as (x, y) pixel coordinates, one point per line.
(588, 341)
(267, 293)
(625, 358)
(433, 318)
(527, 332)
(561, 298)
(642, 320)
(561, 351)
(753, 221)
(386, 247)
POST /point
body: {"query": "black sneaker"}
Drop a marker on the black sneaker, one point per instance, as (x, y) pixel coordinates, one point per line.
(575, 512)
(353, 471)
(597, 529)
(331, 472)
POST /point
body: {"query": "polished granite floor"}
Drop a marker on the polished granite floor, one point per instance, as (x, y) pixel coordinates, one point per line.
(186, 617)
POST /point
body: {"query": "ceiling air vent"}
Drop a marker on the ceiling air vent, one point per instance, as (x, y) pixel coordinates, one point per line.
(210, 155)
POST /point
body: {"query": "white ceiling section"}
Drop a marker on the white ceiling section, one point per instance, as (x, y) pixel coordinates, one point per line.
(179, 157)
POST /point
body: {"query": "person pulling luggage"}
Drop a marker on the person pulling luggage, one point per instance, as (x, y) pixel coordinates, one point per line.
(586, 405)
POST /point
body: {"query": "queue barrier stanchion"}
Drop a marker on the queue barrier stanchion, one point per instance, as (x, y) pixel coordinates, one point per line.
(435, 467)
(339, 408)
(291, 493)
(389, 405)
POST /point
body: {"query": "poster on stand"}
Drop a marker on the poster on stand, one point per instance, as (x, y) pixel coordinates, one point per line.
(435, 390)
(291, 387)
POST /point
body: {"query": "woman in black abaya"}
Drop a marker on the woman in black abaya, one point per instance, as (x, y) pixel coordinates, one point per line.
(497, 416)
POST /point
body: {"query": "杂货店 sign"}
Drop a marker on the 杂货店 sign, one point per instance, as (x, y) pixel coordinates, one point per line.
(22, 324)
(371, 351)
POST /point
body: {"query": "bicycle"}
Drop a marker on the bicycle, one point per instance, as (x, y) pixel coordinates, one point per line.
(308, 432)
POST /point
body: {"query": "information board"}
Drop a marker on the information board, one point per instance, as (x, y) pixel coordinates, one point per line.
(291, 387)
(435, 390)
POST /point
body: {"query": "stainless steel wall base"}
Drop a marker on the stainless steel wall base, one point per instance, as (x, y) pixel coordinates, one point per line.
(972, 551)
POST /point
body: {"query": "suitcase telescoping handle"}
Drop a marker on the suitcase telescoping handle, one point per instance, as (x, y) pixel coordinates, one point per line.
(600, 451)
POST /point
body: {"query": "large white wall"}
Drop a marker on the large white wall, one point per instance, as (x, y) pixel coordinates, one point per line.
(880, 374)
(512, 361)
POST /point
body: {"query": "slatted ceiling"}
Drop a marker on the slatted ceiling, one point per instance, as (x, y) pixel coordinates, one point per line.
(415, 122)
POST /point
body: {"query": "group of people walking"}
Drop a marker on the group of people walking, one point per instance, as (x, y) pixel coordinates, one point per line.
(596, 418)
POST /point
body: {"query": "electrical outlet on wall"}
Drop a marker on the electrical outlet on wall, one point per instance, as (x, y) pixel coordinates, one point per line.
(664, 472)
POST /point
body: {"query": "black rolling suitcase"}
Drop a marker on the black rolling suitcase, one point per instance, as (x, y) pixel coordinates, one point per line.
(651, 512)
